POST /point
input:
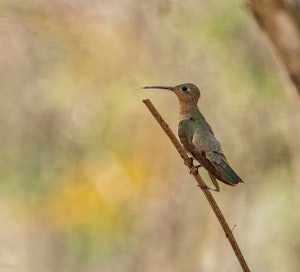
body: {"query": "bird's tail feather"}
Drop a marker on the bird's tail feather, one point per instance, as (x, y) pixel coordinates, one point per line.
(214, 181)
(228, 172)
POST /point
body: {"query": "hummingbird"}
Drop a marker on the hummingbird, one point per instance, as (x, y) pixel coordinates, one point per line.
(197, 136)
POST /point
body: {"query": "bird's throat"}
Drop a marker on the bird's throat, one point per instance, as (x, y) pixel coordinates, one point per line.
(187, 111)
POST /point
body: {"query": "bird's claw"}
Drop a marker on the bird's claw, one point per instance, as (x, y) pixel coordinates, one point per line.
(198, 166)
(194, 169)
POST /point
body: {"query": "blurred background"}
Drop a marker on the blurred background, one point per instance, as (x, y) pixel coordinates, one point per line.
(90, 182)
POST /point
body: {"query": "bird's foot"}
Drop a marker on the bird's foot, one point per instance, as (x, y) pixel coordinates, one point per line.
(193, 168)
(198, 166)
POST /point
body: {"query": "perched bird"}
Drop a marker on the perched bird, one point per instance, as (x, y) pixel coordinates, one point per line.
(197, 136)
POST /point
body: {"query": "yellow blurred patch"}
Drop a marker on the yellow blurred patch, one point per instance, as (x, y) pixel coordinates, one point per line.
(98, 195)
(119, 181)
(79, 203)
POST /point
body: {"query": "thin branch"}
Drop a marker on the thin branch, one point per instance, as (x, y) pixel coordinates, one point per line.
(201, 183)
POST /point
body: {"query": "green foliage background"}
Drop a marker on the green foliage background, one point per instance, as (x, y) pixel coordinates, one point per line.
(89, 182)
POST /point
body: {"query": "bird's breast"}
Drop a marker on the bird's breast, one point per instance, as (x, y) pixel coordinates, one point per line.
(197, 135)
(186, 131)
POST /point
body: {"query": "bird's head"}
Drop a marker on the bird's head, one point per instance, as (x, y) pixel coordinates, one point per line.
(186, 93)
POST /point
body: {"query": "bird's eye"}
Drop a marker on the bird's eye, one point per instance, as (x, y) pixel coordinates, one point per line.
(184, 88)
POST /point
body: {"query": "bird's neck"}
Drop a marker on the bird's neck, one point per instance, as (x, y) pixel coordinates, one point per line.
(188, 111)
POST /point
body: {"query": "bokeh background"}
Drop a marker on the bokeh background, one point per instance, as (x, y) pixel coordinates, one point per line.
(88, 180)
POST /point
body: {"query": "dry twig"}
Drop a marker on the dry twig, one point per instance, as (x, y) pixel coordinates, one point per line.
(201, 183)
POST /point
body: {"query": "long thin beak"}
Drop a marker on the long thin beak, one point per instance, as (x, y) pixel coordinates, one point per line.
(160, 87)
